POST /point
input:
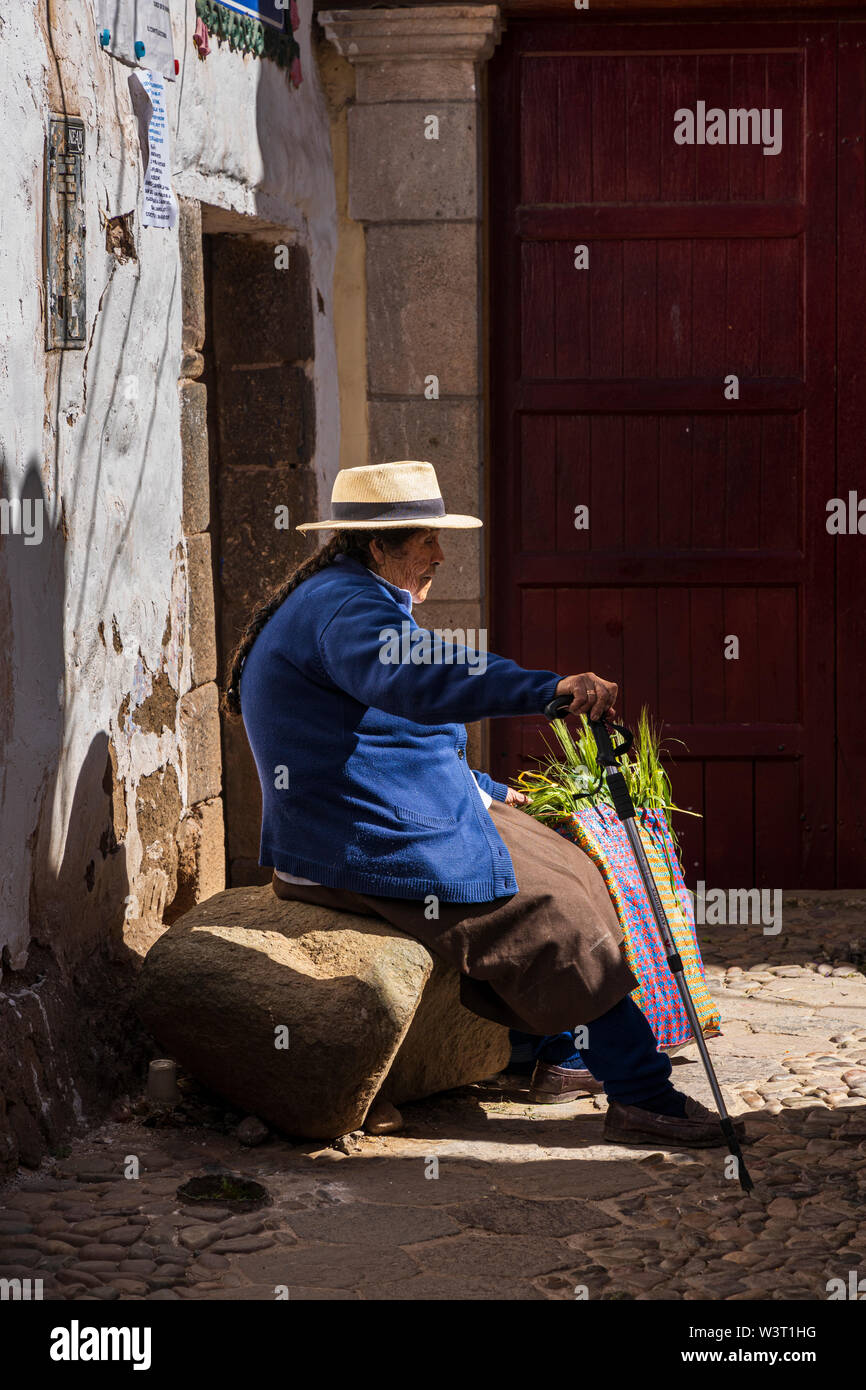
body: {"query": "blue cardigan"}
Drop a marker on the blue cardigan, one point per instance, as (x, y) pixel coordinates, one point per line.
(362, 762)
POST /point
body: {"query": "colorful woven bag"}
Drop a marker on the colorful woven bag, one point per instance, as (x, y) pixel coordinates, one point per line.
(602, 836)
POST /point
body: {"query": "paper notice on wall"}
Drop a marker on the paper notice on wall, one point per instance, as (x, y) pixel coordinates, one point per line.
(146, 23)
(147, 90)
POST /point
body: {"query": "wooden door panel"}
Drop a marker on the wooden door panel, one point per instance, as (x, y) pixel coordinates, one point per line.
(709, 482)
(688, 779)
(729, 852)
(664, 643)
(597, 128)
(696, 307)
(705, 514)
(778, 827)
(848, 553)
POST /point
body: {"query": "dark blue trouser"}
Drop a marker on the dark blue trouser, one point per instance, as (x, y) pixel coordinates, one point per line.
(528, 1048)
(622, 1053)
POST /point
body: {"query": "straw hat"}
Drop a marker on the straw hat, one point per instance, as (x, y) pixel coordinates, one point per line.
(388, 496)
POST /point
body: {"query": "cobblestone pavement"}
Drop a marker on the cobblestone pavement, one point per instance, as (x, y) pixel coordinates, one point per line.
(528, 1202)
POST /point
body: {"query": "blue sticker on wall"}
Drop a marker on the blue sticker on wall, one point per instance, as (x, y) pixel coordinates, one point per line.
(270, 12)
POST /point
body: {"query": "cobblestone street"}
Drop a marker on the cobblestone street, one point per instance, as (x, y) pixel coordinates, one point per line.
(528, 1202)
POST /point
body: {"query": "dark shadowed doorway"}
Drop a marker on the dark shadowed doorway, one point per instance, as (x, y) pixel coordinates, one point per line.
(261, 427)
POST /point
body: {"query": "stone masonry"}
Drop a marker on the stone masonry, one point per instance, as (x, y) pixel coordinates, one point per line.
(259, 362)
(201, 858)
(416, 187)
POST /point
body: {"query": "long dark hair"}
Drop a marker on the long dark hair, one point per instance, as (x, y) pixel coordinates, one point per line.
(355, 544)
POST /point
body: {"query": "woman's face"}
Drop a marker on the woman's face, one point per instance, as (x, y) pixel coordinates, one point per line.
(414, 566)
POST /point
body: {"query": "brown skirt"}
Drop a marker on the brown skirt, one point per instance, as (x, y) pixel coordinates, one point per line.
(544, 960)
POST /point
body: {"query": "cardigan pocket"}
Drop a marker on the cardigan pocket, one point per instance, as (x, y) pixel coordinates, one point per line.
(419, 818)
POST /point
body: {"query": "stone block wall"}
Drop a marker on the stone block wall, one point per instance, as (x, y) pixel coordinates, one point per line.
(112, 818)
(415, 184)
(262, 420)
(200, 834)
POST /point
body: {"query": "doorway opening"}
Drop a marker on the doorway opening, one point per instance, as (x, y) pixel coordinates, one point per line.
(258, 371)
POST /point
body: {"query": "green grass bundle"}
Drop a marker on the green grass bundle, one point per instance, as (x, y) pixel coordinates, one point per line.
(565, 784)
(568, 794)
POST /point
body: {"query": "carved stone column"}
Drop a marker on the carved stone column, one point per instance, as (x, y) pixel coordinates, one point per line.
(415, 184)
(200, 835)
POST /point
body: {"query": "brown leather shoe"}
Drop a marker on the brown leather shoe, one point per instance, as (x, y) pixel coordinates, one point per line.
(699, 1129)
(552, 1085)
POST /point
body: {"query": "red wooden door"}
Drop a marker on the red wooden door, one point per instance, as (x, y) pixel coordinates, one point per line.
(608, 388)
(851, 473)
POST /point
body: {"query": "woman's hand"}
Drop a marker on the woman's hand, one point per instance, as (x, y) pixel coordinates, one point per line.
(590, 694)
(513, 797)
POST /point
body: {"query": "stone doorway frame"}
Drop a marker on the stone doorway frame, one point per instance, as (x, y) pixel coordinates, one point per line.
(203, 834)
(421, 202)
(231, 772)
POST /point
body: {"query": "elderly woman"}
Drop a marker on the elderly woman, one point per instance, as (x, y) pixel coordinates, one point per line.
(356, 721)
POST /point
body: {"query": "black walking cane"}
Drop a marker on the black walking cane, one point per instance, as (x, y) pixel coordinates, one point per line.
(608, 754)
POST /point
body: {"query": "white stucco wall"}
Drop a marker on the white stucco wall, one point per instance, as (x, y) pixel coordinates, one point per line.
(101, 426)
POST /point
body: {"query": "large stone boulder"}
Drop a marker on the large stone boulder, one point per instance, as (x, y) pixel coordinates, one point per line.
(362, 1007)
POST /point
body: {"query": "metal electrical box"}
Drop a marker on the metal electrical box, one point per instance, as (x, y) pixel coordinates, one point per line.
(65, 282)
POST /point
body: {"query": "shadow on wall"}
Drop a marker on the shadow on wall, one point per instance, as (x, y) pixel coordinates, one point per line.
(64, 1024)
(68, 1040)
(32, 596)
